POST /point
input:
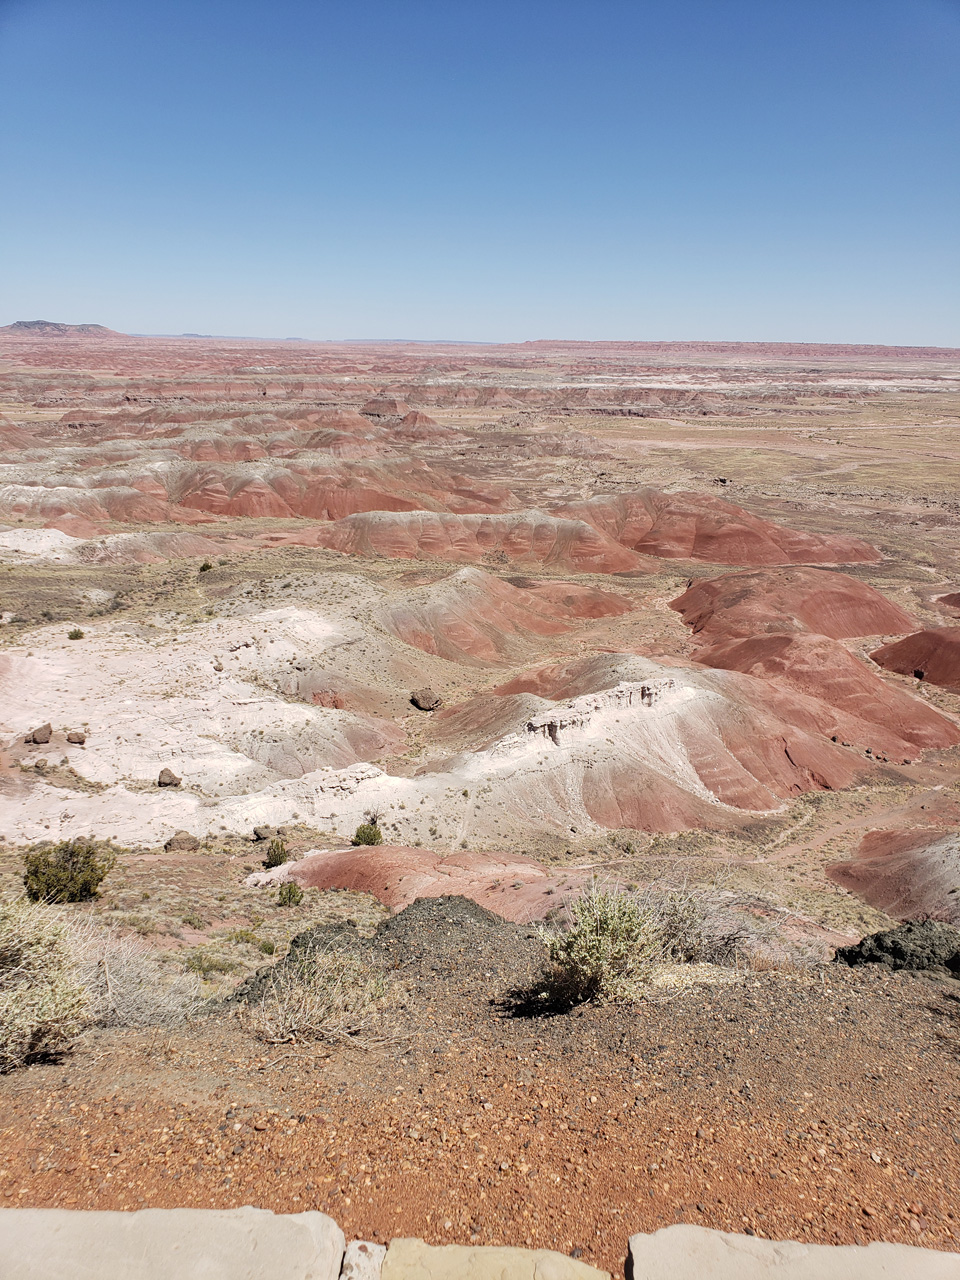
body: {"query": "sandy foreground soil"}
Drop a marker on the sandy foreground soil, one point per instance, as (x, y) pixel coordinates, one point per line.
(645, 582)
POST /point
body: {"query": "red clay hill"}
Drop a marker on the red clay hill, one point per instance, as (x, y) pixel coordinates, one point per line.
(932, 655)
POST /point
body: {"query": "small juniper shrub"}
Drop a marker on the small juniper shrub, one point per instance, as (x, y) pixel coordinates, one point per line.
(367, 833)
(290, 895)
(71, 871)
(75, 634)
(277, 853)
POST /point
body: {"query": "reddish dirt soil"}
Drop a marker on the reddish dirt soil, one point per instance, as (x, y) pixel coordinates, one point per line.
(824, 1108)
(781, 600)
(908, 873)
(929, 655)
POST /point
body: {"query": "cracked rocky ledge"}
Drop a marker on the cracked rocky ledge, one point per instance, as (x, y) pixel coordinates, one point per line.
(255, 1244)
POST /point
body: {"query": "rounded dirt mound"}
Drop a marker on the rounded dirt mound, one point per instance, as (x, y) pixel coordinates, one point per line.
(908, 874)
(524, 537)
(790, 599)
(928, 655)
(698, 526)
(822, 668)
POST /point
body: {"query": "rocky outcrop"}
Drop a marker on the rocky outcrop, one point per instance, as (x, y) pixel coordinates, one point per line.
(916, 945)
(181, 842)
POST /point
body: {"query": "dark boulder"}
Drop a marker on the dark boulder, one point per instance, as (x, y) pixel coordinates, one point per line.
(40, 736)
(182, 842)
(168, 778)
(426, 700)
(927, 945)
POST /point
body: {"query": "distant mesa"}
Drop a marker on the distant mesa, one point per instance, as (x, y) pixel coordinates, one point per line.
(932, 655)
(54, 329)
(385, 406)
(789, 599)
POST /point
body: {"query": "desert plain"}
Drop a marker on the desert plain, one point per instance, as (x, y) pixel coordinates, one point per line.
(545, 614)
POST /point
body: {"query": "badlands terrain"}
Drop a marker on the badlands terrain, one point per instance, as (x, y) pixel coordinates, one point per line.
(671, 612)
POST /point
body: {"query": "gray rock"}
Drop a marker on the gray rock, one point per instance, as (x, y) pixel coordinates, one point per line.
(76, 738)
(40, 736)
(414, 1260)
(426, 700)
(182, 842)
(265, 833)
(694, 1253)
(917, 946)
(363, 1261)
(168, 1244)
(168, 778)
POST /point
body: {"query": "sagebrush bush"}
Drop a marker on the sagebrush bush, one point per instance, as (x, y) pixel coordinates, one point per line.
(43, 1003)
(71, 871)
(367, 833)
(290, 894)
(276, 854)
(318, 994)
(617, 940)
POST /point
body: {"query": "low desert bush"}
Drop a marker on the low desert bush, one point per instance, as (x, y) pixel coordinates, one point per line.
(75, 634)
(290, 895)
(43, 1003)
(71, 871)
(617, 940)
(318, 994)
(367, 833)
(276, 854)
(126, 986)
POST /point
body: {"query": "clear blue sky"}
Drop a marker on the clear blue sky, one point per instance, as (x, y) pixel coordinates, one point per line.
(492, 170)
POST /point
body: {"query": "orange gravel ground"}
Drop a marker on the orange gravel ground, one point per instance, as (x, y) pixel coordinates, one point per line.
(824, 1109)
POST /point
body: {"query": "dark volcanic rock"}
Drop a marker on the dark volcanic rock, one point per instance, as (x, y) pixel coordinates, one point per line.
(182, 842)
(426, 700)
(929, 945)
(168, 778)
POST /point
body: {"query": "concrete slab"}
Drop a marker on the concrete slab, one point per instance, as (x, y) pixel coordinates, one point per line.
(414, 1260)
(168, 1244)
(362, 1260)
(696, 1253)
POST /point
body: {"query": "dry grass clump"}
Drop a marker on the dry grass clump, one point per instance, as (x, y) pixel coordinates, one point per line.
(620, 941)
(43, 1002)
(323, 993)
(125, 985)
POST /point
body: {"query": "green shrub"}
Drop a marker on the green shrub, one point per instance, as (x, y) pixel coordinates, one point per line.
(71, 871)
(75, 634)
(43, 1003)
(206, 962)
(194, 921)
(317, 994)
(276, 854)
(367, 833)
(290, 895)
(268, 947)
(617, 940)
